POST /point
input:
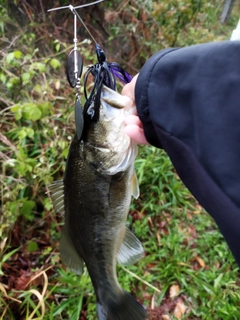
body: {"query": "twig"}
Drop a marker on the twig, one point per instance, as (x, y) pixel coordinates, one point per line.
(43, 13)
(3, 156)
(5, 140)
(140, 279)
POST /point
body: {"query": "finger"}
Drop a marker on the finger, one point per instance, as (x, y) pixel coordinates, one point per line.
(132, 119)
(129, 89)
(136, 133)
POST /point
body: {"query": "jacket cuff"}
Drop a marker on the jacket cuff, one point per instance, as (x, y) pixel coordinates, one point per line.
(141, 96)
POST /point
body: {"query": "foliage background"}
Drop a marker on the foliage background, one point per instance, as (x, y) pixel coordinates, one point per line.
(190, 269)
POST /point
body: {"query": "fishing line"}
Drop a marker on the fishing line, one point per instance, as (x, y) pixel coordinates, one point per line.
(85, 25)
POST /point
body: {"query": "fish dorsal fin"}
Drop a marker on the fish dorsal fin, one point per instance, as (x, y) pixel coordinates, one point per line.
(68, 252)
(130, 250)
(134, 185)
(69, 255)
(57, 195)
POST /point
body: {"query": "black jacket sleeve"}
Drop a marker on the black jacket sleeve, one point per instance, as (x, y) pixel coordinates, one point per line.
(188, 100)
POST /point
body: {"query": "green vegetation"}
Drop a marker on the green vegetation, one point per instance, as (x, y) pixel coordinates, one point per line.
(188, 271)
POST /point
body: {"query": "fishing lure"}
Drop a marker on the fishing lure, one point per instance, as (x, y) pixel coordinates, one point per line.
(104, 73)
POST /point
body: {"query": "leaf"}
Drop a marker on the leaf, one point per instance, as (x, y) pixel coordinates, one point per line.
(17, 110)
(30, 132)
(17, 54)
(200, 261)
(9, 254)
(55, 63)
(26, 76)
(10, 57)
(174, 291)
(38, 88)
(14, 206)
(48, 204)
(217, 281)
(2, 26)
(21, 168)
(46, 108)
(40, 66)
(57, 47)
(180, 309)
(22, 134)
(165, 317)
(27, 109)
(57, 84)
(31, 112)
(36, 114)
(32, 246)
(26, 209)
(3, 78)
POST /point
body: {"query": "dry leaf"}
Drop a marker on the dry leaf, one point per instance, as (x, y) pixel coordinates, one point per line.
(159, 238)
(151, 222)
(111, 16)
(198, 209)
(153, 301)
(180, 309)
(165, 317)
(200, 261)
(57, 85)
(174, 291)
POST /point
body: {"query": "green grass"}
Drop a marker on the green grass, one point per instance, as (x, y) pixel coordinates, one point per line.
(176, 237)
(182, 246)
(184, 250)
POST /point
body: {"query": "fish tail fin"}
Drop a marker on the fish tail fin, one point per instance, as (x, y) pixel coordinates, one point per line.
(125, 308)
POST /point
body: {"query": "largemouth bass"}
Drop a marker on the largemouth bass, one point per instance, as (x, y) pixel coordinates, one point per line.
(95, 197)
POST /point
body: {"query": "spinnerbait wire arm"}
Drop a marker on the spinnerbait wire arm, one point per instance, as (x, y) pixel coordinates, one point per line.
(104, 73)
(75, 65)
(77, 7)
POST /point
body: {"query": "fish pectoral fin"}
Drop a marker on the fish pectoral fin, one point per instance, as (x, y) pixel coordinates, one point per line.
(57, 195)
(130, 250)
(69, 255)
(134, 185)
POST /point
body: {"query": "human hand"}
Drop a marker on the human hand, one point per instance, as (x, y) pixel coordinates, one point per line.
(134, 128)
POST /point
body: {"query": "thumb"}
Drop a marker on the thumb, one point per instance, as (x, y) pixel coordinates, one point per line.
(129, 88)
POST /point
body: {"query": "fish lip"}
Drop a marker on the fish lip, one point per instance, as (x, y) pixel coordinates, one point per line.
(102, 149)
(98, 147)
